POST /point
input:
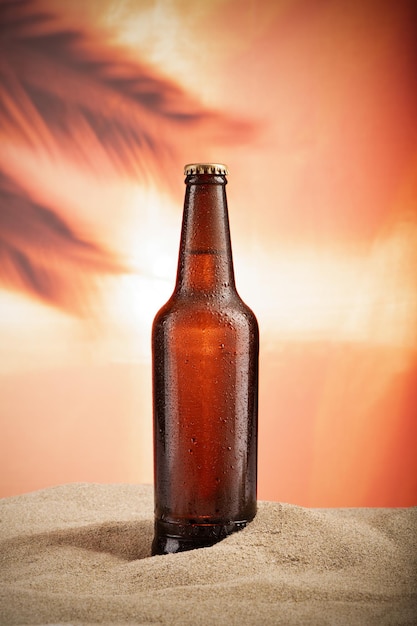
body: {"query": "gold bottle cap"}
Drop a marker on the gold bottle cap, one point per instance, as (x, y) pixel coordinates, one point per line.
(205, 168)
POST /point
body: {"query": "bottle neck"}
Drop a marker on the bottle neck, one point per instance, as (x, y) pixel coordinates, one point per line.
(205, 259)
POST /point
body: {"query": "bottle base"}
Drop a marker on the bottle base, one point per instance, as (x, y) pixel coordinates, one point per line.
(173, 537)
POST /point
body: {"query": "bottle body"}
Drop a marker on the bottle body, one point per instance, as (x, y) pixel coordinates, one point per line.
(205, 379)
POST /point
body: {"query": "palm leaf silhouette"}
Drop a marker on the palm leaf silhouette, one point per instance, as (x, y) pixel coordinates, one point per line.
(62, 85)
(42, 256)
(64, 90)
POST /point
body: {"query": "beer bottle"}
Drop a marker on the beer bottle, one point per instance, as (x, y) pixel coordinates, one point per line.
(205, 345)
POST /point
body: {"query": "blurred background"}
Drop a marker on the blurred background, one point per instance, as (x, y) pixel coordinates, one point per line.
(313, 106)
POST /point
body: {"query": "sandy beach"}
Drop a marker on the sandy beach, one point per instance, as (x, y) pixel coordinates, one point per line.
(80, 554)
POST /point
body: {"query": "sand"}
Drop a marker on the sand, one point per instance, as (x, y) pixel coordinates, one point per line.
(80, 554)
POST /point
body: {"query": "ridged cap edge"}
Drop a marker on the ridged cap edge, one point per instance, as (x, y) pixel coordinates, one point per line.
(205, 168)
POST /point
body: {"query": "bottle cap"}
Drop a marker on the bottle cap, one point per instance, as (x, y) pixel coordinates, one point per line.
(205, 168)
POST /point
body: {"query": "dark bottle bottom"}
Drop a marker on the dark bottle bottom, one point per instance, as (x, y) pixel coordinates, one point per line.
(171, 538)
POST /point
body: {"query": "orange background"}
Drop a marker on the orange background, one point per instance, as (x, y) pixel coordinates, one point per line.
(312, 104)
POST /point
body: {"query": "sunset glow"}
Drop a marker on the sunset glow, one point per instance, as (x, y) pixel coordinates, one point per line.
(313, 107)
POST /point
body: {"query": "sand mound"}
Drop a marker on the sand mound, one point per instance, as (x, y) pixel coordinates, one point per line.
(80, 554)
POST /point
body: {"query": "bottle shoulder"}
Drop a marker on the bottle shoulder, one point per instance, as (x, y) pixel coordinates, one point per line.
(224, 308)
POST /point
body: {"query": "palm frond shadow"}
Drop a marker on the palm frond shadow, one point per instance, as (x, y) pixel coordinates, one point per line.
(65, 90)
(63, 86)
(42, 256)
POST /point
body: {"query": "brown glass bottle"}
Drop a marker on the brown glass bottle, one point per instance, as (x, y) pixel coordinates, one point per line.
(205, 345)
